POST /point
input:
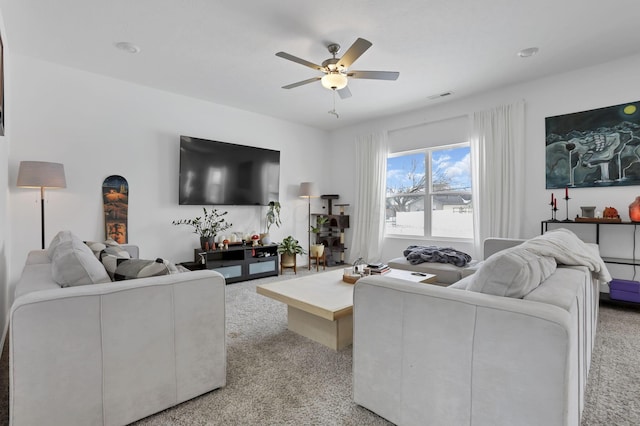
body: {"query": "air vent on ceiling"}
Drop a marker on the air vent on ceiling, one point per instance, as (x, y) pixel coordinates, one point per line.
(439, 95)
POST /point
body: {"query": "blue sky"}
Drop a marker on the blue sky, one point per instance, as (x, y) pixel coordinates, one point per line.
(455, 163)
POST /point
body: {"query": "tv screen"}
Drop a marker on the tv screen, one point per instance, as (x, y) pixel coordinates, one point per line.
(222, 173)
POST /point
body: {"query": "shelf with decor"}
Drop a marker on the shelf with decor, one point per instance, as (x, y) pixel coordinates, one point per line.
(331, 233)
(599, 224)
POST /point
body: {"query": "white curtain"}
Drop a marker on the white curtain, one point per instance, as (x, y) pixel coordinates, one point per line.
(497, 140)
(369, 209)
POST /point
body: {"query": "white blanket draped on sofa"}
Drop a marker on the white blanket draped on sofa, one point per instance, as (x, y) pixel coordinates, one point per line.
(564, 246)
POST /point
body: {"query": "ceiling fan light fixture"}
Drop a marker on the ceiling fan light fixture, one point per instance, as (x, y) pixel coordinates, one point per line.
(334, 81)
(335, 70)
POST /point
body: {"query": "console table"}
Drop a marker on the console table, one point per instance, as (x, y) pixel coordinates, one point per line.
(240, 263)
(598, 223)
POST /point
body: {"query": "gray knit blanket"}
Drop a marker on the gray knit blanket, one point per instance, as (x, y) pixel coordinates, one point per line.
(420, 254)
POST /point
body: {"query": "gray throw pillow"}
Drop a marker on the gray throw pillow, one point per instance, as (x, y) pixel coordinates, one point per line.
(110, 259)
(60, 237)
(513, 272)
(74, 264)
(128, 269)
(109, 247)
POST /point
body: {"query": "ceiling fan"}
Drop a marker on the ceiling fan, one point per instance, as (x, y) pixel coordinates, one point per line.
(336, 70)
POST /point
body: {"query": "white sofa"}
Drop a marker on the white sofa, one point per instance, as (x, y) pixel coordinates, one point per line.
(112, 353)
(430, 355)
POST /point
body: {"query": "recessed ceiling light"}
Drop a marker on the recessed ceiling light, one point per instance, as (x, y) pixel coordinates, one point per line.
(528, 52)
(127, 47)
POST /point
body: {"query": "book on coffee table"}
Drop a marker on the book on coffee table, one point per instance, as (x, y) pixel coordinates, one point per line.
(379, 269)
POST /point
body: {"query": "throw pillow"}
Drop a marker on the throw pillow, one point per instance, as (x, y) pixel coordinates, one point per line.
(513, 272)
(461, 284)
(109, 247)
(95, 247)
(109, 259)
(128, 269)
(74, 264)
(60, 237)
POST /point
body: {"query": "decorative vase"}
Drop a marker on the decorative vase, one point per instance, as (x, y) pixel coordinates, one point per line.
(266, 239)
(316, 250)
(288, 260)
(208, 243)
(634, 210)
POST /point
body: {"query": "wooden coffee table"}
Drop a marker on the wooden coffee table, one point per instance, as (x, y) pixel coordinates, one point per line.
(320, 306)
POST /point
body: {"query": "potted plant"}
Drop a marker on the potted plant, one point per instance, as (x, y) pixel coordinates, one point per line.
(272, 218)
(207, 226)
(316, 250)
(288, 249)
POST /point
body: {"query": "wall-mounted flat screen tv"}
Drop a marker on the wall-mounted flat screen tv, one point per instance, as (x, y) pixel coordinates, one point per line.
(222, 173)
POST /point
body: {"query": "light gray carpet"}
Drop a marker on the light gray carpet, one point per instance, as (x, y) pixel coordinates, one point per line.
(276, 377)
(613, 389)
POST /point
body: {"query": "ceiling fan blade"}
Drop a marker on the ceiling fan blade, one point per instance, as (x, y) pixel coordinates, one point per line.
(354, 52)
(300, 61)
(300, 83)
(374, 75)
(344, 92)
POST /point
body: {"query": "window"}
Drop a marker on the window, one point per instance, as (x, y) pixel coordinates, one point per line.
(435, 180)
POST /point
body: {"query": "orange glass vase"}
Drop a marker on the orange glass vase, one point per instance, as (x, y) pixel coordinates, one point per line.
(634, 210)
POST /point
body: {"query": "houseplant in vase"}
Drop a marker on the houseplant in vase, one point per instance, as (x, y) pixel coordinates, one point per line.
(316, 250)
(207, 226)
(272, 218)
(288, 249)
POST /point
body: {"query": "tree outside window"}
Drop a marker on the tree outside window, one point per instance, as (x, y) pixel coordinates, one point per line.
(435, 180)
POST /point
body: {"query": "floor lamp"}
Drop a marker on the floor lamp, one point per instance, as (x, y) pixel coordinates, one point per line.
(308, 190)
(41, 174)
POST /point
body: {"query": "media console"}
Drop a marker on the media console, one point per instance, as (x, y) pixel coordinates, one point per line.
(240, 263)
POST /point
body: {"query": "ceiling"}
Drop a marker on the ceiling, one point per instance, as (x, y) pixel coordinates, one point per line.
(224, 51)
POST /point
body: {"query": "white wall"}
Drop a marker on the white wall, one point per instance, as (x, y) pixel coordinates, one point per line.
(594, 87)
(4, 235)
(4, 196)
(98, 126)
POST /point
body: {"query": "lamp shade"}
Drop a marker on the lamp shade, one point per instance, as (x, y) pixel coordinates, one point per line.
(308, 190)
(41, 174)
